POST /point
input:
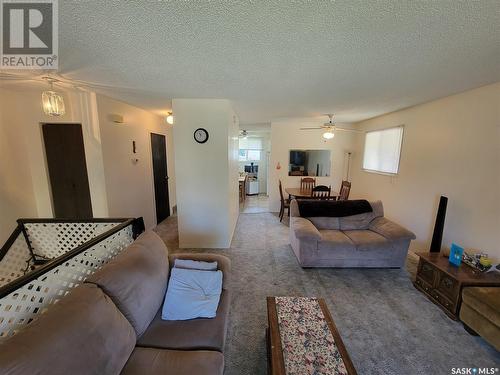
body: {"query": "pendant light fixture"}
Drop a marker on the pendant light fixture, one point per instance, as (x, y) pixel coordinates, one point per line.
(170, 118)
(52, 102)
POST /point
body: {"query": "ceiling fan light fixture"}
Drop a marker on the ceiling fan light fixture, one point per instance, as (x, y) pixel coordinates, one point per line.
(328, 134)
(170, 118)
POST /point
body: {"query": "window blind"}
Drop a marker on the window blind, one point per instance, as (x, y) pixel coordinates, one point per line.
(383, 150)
(251, 143)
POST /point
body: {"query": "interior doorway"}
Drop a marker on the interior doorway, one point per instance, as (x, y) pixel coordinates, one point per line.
(254, 151)
(160, 176)
(67, 168)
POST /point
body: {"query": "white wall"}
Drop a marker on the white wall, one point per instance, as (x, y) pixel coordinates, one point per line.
(129, 185)
(206, 174)
(25, 190)
(233, 169)
(17, 198)
(451, 147)
(285, 136)
(24, 182)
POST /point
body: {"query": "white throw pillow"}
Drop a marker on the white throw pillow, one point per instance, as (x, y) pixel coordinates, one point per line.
(195, 265)
(192, 294)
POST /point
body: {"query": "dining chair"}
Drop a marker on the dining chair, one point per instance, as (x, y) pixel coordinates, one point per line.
(285, 203)
(345, 188)
(321, 192)
(307, 183)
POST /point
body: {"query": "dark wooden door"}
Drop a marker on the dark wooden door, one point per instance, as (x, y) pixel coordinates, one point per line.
(69, 181)
(160, 176)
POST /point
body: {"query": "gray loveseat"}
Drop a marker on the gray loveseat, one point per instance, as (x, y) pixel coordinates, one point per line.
(111, 324)
(362, 240)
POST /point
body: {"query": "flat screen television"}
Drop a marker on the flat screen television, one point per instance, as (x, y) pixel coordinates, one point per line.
(297, 157)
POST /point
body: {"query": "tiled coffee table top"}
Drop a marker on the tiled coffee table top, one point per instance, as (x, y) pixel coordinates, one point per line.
(307, 342)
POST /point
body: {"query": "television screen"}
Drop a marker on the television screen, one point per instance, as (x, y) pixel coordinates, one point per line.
(297, 157)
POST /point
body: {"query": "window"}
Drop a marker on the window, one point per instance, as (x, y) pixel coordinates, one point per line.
(250, 149)
(383, 150)
(249, 155)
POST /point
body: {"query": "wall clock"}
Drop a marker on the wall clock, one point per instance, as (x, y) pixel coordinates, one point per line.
(200, 135)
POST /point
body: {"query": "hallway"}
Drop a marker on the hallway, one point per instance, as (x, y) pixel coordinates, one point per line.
(255, 204)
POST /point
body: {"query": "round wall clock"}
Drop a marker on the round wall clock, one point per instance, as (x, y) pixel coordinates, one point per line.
(200, 135)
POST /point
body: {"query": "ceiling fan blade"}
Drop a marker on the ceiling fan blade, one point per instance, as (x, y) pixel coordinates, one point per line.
(348, 130)
(310, 128)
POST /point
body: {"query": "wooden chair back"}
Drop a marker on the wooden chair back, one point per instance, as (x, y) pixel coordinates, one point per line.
(281, 192)
(321, 192)
(307, 183)
(345, 188)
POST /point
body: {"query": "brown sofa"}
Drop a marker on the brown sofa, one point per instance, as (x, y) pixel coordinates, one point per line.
(480, 313)
(362, 240)
(111, 323)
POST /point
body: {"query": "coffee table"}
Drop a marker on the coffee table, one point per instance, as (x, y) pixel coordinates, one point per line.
(302, 338)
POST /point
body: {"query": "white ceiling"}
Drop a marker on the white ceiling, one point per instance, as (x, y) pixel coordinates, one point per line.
(273, 59)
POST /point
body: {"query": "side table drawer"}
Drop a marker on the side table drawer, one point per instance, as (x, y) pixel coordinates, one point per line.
(444, 301)
(448, 286)
(424, 285)
(436, 296)
(427, 272)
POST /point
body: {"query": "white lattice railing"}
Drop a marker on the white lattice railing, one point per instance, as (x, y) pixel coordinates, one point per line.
(49, 240)
(16, 257)
(35, 241)
(28, 295)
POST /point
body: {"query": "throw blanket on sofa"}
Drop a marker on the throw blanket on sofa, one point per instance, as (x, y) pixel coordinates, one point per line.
(315, 208)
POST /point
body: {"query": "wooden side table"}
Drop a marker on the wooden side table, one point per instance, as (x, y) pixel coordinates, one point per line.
(442, 282)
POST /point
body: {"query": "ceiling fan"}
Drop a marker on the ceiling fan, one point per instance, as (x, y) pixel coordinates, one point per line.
(330, 128)
(248, 133)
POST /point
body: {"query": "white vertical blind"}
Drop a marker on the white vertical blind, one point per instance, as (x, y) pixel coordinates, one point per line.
(383, 150)
(251, 143)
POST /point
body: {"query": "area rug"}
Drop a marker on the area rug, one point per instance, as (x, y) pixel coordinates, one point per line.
(388, 327)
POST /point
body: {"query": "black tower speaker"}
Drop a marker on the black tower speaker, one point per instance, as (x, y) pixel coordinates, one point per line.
(437, 236)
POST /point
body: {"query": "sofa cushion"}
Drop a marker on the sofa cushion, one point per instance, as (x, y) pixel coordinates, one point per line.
(390, 230)
(195, 265)
(485, 300)
(362, 221)
(152, 361)
(223, 263)
(304, 229)
(366, 240)
(356, 222)
(192, 294)
(194, 334)
(482, 325)
(335, 240)
(136, 279)
(378, 208)
(83, 333)
(322, 222)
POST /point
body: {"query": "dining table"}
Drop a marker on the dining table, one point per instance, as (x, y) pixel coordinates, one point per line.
(305, 193)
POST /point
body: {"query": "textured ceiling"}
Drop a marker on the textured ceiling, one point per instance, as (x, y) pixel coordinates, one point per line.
(277, 59)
